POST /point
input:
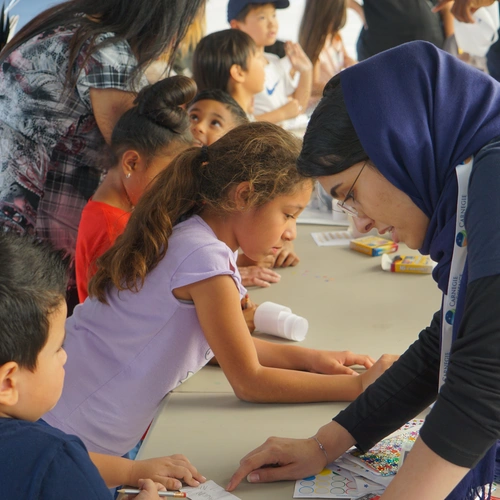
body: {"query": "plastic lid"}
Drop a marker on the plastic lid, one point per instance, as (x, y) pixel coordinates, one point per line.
(296, 327)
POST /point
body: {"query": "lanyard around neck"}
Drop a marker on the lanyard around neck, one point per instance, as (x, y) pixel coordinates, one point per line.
(450, 299)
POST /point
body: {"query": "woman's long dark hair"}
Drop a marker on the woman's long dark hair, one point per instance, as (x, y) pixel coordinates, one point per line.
(151, 27)
(331, 145)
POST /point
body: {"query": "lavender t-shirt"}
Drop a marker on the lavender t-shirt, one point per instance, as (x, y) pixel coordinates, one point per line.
(123, 358)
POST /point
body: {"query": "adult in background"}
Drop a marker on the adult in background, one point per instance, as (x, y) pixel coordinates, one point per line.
(65, 79)
(389, 23)
(409, 142)
(463, 9)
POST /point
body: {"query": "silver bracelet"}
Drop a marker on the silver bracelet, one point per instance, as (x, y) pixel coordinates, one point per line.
(321, 447)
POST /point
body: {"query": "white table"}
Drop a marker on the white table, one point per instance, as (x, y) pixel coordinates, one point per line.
(350, 304)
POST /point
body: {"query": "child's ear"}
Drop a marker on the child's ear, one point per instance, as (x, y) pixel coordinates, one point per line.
(241, 195)
(9, 394)
(130, 159)
(234, 24)
(236, 73)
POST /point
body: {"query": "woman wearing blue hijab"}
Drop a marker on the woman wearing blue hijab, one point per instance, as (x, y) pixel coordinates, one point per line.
(409, 143)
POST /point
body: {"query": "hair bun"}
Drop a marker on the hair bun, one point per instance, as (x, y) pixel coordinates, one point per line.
(161, 102)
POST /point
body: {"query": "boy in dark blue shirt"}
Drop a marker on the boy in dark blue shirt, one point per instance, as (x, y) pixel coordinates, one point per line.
(38, 462)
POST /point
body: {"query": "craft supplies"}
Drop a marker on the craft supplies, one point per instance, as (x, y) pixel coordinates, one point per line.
(373, 245)
(279, 320)
(414, 264)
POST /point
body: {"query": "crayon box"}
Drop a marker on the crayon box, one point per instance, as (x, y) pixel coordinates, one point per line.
(373, 245)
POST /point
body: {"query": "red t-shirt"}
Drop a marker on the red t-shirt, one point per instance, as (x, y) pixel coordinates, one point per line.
(99, 227)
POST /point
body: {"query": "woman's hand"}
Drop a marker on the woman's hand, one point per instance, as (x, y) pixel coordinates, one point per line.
(258, 276)
(169, 471)
(383, 363)
(280, 459)
(149, 490)
(338, 362)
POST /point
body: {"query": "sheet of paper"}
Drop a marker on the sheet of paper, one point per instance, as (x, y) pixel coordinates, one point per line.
(208, 491)
(335, 482)
(315, 216)
(332, 238)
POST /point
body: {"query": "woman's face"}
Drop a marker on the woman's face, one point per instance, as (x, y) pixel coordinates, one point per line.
(378, 203)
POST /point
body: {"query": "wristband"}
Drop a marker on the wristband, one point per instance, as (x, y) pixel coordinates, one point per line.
(322, 448)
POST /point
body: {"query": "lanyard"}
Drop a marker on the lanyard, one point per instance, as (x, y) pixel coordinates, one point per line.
(450, 299)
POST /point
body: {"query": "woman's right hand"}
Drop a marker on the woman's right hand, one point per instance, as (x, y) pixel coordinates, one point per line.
(149, 490)
(170, 471)
(279, 459)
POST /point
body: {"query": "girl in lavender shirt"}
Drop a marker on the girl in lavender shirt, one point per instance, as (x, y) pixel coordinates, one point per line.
(167, 297)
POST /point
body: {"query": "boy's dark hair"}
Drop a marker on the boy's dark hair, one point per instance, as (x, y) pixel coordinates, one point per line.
(240, 117)
(33, 281)
(216, 53)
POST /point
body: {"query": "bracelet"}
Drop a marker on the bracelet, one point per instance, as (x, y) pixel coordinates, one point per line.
(321, 447)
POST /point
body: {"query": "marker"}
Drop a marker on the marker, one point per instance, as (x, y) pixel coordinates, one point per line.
(174, 494)
(245, 301)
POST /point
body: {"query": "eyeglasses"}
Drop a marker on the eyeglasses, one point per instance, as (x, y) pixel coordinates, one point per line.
(344, 207)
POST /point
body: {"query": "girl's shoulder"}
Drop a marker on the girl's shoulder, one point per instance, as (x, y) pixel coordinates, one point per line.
(194, 232)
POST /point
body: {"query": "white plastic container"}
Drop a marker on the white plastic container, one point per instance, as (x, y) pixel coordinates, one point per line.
(279, 320)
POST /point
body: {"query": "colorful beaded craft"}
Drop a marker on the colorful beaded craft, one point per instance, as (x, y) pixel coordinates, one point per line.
(383, 458)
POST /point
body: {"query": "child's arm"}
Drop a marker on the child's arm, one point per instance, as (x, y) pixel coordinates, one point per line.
(447, 20)
(290, 110)
(317, 85)
(300, 62)
(165, 470)
(218, 308)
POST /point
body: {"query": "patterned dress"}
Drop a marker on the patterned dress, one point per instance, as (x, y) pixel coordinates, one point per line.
(50, 145)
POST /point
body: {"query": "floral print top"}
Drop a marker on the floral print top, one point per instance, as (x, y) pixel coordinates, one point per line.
(50, 145)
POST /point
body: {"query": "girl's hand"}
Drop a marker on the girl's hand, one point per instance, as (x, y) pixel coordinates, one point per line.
(298, 58)
(286, 257)
(249, 313)
(280, 459)
(258, 276)
(383, 363)
(338, 362)
(149, 490)
(169, 471)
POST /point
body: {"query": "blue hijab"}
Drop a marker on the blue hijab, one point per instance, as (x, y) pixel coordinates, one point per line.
(418, 113)
(423, 112)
